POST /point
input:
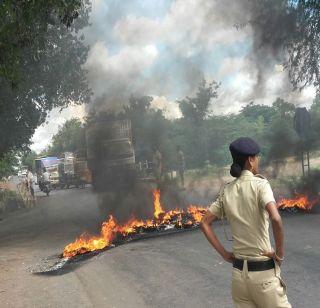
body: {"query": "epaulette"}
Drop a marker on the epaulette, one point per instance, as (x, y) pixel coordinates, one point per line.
(260, 176)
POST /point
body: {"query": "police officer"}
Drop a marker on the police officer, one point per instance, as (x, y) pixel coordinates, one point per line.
(247, 203)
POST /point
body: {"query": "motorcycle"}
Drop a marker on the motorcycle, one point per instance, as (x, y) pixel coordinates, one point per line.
(45, 187)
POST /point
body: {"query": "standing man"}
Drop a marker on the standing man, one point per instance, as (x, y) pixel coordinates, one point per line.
(180, 164)
(157, 165)
(30, 180)
(248, 202)
(46, 176)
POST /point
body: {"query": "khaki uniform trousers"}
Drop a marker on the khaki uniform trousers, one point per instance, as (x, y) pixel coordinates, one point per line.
(264, 289)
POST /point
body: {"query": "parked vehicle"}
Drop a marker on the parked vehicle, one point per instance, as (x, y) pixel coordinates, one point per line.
(110, 154)
(73, 171)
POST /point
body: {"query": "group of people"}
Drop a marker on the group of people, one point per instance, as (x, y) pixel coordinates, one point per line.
(157, 164)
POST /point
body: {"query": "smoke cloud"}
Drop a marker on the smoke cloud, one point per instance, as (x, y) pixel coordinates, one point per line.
(165, 48)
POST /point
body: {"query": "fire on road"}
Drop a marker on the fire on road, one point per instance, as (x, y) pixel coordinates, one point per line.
(129, 276)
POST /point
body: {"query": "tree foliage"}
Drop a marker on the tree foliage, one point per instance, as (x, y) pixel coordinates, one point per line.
(271, 126)
(24, 25)
(197, 108)
(28, 159)
(49, 65)
(304, 46)
(252, 111)
(69, 138)
(292, 26)
(7, 164)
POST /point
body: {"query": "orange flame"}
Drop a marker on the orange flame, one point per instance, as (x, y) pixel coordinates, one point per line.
(196, 212)
(110, 229)
(86, 243)
(131, 226)
(300, 202)
(158, 210)
(178, 217)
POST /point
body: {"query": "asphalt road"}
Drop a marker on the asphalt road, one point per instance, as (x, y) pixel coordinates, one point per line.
(172, 271)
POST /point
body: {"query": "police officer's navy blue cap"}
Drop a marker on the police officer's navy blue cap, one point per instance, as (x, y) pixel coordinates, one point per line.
(244, 146)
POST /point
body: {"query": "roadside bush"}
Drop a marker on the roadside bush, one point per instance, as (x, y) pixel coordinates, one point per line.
(9, 201)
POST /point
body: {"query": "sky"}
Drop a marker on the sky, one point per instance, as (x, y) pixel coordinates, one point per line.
(164, 48)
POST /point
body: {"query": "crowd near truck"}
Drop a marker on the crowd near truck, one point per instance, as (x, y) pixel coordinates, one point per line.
(110, 154)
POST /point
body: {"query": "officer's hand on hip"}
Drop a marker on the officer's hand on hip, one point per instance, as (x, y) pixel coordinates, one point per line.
(228, 256)
(272, 255)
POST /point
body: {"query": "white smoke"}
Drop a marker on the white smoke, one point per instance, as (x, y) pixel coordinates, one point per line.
(168, 55)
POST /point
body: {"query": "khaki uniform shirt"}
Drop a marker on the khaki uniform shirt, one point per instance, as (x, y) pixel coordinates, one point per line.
(243, 203)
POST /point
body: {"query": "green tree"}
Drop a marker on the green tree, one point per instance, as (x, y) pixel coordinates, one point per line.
(198, 108)
(7, 164)
(253, 111)
(283, 109)
(69, 138)
(280, 135)
(50, 73)
(28, 159)
(137, 106)
(315, 107)
(303, 46)
(292, 26)
(24, 27)
(195, 111)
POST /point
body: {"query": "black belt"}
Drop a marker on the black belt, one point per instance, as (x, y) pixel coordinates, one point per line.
(254, 266)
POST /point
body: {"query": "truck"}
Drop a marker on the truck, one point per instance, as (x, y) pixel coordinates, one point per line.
(110, 155)
(67, 176)
(73, 171)
(51, 164)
